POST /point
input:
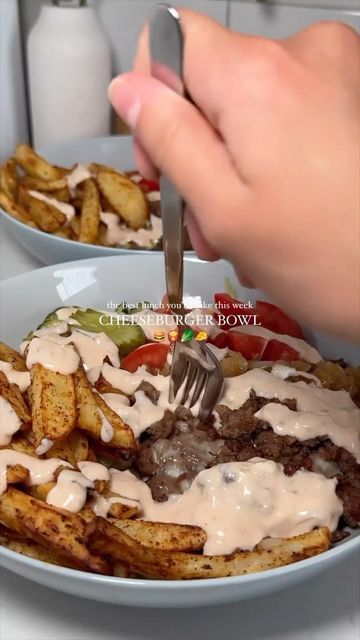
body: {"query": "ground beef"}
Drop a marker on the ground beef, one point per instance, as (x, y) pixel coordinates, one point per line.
(348, 487)
(237, 423)
(177, 447)
(149, 390)
(299, 378)
(339, 535)
(174, 450)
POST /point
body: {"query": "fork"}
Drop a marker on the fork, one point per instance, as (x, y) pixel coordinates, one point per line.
(196, 377)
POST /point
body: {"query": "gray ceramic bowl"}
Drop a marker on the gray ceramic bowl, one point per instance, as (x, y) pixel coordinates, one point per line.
(114, 151)
(29, 298)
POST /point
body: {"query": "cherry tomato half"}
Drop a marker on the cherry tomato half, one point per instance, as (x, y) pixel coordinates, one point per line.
(153, 355)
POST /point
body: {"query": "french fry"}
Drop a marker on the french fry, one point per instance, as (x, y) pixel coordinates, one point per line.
(46, 216)
(53, 404)
(12, 394)
(38, 184)
(88, 405)
(8, 354)
(34, 165)
(16, 210)
(56, 529)
(104, 538)
(8, 179)
(126, 198)
(161, 535)
(74, 448)
(90, 213)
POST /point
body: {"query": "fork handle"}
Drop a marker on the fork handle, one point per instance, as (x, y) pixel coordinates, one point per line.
(173, 238)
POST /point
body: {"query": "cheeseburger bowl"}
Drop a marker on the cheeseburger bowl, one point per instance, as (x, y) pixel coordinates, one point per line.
(108, 491)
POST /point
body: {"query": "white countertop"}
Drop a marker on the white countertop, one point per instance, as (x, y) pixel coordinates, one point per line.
(324, 608)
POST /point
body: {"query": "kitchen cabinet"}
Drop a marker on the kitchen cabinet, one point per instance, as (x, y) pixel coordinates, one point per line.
(280, 20)
(124, 21)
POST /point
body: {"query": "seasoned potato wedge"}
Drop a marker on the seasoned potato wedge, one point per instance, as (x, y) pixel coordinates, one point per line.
(8, 180)
(126, 198)
(62, 195)
(64, 233)
(21, 443)
(120, 570)
(12, 394)
(122, 511)
(103, 386)
(90, 418)
(95, 167)
(40, 491)
(38, 184)
(75, 226)
(161, 535)
(105, 538)
(87, 513)
(123, 437)
(8, 354)
(39, 522)
(16, 474)
(90, 213)
(53, 404)
(74, 448)
(34, 550)
(16, 210)
(46, 216)
(34, 165)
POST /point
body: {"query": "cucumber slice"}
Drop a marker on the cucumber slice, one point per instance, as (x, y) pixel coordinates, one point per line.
(51, 320)
(127, 336)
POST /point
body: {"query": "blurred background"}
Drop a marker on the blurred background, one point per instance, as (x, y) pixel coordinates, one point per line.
(56, 61)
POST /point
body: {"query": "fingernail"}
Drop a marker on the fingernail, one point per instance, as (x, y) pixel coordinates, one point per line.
(125, 101)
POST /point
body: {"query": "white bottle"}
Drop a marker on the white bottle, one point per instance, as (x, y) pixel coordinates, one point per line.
(69, 70)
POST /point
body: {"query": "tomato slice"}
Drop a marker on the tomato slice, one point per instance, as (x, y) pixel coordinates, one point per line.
(220, 340)
(153, 355)
(272, 317)
(277, 350)
(251, 347)
(149, 185)
(227, 306)
(268, 315)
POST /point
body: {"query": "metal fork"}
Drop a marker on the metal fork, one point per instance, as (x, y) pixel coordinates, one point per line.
(196, 376)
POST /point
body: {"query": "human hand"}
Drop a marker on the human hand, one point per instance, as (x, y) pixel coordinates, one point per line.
(267, 159)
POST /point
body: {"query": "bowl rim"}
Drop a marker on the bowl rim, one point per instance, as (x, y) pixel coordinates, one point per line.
(76, 243)
(335, 553)
(344, 547)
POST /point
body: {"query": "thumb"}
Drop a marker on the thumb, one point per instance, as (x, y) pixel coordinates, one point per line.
(181, 143)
